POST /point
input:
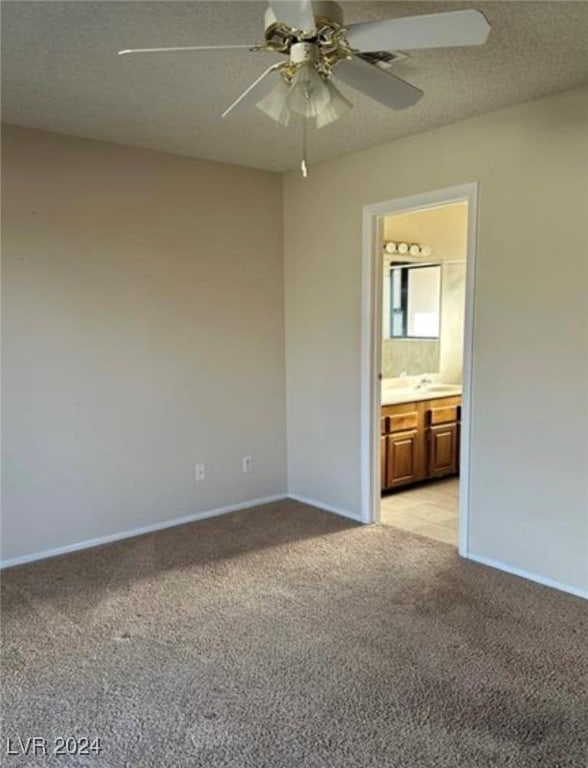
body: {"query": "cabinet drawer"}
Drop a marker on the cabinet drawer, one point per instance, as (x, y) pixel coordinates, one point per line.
(401, 421)
(445, 415)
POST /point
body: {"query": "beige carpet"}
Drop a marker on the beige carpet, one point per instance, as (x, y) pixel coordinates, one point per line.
(283, 636)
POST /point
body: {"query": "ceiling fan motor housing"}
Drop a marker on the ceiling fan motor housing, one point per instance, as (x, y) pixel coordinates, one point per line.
(304, 53)
(322, 9)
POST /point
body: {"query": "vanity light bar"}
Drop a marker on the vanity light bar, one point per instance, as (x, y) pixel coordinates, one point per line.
(412, 249)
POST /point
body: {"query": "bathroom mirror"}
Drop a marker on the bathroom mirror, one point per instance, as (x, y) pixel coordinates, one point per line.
(411, 319)
(415, 301)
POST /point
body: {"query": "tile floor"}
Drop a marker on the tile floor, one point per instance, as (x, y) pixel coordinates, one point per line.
(430, 509)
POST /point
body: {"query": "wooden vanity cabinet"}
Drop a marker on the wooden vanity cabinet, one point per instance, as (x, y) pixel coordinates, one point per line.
(383, 450)
(442, 431)
(419, 441)
(403, 461)
(403, 450)
(442, 451)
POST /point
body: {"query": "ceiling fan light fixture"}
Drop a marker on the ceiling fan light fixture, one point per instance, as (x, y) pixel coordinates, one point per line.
(312, 34)
(309, 92)
(337, 106)
(275, 103)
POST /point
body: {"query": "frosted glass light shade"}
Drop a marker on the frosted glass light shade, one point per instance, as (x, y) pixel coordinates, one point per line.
(335, 107)
(309, 93)
(275, 103)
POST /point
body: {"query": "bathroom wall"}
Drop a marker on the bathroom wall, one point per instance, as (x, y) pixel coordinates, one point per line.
(453, 284)
(409, 357)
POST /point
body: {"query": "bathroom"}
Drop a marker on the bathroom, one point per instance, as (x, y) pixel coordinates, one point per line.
(424, 258)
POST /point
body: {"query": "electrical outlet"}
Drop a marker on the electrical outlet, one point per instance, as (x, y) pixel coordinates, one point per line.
(199, 472)
(247, 464)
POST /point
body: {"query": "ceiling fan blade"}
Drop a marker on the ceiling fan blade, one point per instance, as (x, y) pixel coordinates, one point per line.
(183, 48)
(377, 84)
(296, 14)
(435, 30)
(249, 94)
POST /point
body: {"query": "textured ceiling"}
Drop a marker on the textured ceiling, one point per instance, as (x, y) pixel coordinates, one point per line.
(60, 72)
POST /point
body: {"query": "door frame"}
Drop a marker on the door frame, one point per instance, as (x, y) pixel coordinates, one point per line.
(371, 344)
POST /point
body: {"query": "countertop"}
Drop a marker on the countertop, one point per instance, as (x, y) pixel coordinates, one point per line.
(395, 395)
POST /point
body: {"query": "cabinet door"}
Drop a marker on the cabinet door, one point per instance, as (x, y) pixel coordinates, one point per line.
(402, 466)
(383, 463)
(443, 450)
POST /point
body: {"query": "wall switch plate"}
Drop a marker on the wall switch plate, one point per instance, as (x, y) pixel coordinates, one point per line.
(247, 464)
(199, 472)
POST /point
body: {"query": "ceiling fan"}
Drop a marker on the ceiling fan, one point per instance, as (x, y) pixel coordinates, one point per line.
(319, 48)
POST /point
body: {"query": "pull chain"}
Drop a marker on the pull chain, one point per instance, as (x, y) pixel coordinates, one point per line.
(303, 165)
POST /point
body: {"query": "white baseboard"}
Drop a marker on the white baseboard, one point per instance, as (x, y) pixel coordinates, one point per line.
(526, 575)
(326, 507)
(22, 559)
(43, 555)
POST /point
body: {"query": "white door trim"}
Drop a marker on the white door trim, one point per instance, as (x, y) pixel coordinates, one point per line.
(371, 344)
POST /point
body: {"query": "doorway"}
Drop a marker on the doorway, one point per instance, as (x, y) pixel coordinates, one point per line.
(417, 363)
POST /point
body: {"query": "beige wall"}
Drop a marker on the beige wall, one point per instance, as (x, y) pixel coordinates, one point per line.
(529, 496)
(143, 333)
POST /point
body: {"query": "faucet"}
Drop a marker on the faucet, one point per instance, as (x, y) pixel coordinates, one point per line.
(424, 382)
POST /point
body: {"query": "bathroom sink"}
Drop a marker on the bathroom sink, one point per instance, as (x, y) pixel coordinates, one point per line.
(391, 395)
